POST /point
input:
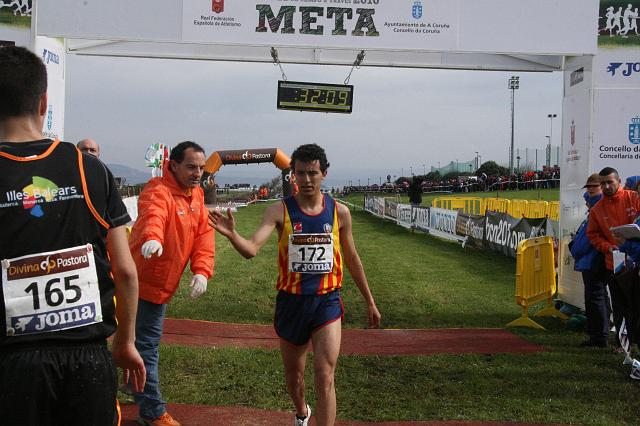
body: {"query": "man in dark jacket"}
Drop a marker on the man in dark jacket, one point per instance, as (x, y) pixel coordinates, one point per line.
(415, 192)
(590, 262)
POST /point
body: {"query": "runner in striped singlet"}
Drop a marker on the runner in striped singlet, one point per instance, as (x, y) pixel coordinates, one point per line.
(315, 240)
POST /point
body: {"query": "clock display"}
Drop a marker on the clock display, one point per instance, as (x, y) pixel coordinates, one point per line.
(302, 96)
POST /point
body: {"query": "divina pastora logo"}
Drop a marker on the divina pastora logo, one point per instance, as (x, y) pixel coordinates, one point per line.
(39, 192)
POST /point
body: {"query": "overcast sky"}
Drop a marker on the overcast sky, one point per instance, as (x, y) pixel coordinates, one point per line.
(401, 118)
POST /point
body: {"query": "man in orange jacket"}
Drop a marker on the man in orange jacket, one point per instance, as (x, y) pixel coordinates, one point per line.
(172, 229)
(617, 207)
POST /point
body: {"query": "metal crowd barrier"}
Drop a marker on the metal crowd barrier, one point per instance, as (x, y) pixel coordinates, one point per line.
(515, 208)
(535, 280)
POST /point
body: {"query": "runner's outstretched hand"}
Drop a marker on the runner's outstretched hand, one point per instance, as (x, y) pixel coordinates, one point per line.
(226, 225)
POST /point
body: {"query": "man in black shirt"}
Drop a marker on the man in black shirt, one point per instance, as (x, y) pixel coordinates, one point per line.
(415, 192)
(64, 260)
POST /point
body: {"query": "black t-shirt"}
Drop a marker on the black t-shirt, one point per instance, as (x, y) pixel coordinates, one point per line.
(99, 180)
(64, 220)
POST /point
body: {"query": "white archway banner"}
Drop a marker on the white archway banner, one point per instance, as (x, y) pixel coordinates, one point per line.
(507, 26)
(522, 27)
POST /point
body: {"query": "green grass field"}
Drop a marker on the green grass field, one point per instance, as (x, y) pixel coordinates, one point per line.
(418, 282)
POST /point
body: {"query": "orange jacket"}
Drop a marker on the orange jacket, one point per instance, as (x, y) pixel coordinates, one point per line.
(178, 220)
(619, 209)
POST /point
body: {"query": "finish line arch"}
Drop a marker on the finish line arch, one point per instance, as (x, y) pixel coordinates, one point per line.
(528, 35)
(252, 156)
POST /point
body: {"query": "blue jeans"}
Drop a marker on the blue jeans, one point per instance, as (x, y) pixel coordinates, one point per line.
(149, 323)
(596, 305)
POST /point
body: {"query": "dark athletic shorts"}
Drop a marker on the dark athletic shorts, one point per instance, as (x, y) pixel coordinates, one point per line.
(58, 385)
(298, 316)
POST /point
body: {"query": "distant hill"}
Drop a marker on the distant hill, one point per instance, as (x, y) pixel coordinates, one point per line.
(131, 175)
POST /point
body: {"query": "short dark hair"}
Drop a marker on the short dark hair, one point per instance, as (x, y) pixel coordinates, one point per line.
(23, 80)
(607, 171)
(177, 152)
(309, 153)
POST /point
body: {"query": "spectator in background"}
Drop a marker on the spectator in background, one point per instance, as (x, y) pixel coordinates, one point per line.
(590, 262)
(89, 146)
(415, 192)
(617, 207)
(632, 183)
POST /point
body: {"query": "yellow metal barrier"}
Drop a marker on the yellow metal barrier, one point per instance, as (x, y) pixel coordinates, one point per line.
(535, 280)
(498, 204)
(554, 210)
(537, 209)
(442, 203)
(518, 208)
(469, 205)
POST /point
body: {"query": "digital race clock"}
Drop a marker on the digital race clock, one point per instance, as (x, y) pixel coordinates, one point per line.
(322, 97)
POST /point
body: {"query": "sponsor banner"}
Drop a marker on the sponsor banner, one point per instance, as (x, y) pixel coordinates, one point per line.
(575, 163)
(616, 131)
(247, 156)
(52, 53)
(472, 227)
(443, 220)
(360, 23)
(503, 233)
(618, 24)
(420, 218)
(404, 215)
(617, 67)
(390, 210)
(437, 25)
(374, 205)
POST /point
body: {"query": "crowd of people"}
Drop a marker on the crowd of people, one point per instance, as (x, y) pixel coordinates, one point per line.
(65, 245)
(542, 179)
(609, 259)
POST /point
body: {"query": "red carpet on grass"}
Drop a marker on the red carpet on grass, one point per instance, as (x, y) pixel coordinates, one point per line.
(360, 342)
(202, 415)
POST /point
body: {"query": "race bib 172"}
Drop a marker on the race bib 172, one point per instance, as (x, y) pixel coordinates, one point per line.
(311, 253)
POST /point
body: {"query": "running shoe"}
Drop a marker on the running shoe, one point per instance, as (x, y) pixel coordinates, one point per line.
(297, 421)
(163, 420)
(629, 361)
(635, 374)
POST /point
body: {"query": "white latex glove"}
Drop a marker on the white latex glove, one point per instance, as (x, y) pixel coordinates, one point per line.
(198, 285)
(151, 247)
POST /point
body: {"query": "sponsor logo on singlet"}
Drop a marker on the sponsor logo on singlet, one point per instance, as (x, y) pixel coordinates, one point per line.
(39, 192)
